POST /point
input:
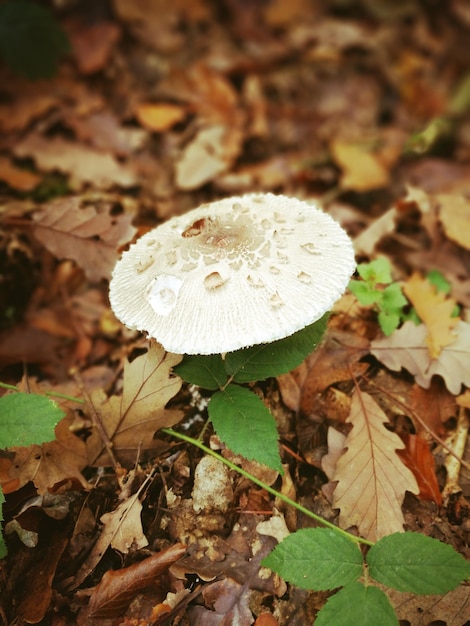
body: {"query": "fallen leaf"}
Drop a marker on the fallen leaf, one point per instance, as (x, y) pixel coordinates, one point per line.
(362, 169)
(230, 602)
(371, 479)
(81, 163)
(89, 235)
(117, 588)
(451, 609)
(92, 44)
(160, 116)
(48, 464)
(17, 178)
(130, 421)
(210, 153)
(434, 310)
(418, 458)
(454, 215)
(407, 348)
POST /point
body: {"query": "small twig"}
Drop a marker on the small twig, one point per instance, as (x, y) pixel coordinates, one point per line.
(454, 462)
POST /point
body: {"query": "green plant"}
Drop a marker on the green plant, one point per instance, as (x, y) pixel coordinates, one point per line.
(26, 418)
(330, 558)
(376, 288)
(31, 41)
(238, 414)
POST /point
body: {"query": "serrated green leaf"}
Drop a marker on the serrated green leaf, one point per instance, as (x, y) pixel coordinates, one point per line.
(393, 298)
(245, 425)
(206, 371)
(27, 418)
(357, 605)
(376, 272)
(316, 558)
(365, 294)
(439, 281)
(31, 41)
(388, 322)
(417, 563)
(272, 359)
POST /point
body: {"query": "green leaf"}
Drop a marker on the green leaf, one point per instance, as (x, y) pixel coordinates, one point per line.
(366, 294)
(376, 272)
(31, 41)
(393, 298)
(206, 371)
(316, 558)
(245, 425)
(357, 605)
(417, 563)
(439, 281)
(272, 359)
(388, 321)
(27, 418)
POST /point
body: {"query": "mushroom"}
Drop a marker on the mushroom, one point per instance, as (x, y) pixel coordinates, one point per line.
(232, 274)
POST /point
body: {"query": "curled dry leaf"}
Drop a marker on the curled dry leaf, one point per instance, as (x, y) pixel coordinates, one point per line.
(117, 588)
(89, 235)
(371, 478)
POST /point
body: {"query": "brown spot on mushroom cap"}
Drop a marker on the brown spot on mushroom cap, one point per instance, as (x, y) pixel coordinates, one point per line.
(233, 273)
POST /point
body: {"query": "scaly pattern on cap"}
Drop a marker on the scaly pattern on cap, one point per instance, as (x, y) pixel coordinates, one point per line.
(233, 273)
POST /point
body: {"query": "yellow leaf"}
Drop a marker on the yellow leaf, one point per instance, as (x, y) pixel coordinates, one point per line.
(435, 311)
(454, 214)
(372, 479)
(362, 170)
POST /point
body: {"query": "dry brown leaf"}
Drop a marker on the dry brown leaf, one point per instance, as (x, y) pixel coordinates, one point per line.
(160, 116)
(81, 163)
(371, 478)
(407, 348)
(435, 311)
(210, 153)
(130, 421)
(451, 609)
(117, 588)
(454, 214)
(89, 235)
(17, 178)
(362, 170)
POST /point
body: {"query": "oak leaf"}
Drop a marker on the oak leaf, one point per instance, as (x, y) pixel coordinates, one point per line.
(89, 235)
(128, 422)
(371, 479)
(407, 348)
(434, 310)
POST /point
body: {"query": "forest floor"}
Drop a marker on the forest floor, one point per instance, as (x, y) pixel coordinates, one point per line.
(361, 106)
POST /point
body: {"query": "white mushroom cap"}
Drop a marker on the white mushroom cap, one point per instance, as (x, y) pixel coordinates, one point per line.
(233, 273)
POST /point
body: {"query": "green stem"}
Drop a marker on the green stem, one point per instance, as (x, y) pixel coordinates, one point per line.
(54, 394)
(260, 483)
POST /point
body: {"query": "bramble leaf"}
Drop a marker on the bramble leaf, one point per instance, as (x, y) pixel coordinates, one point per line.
(357, 605)
(206, 371)
(245, 425)
(27, 418)
(417, 563)
(316, 558)
(272, 359)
